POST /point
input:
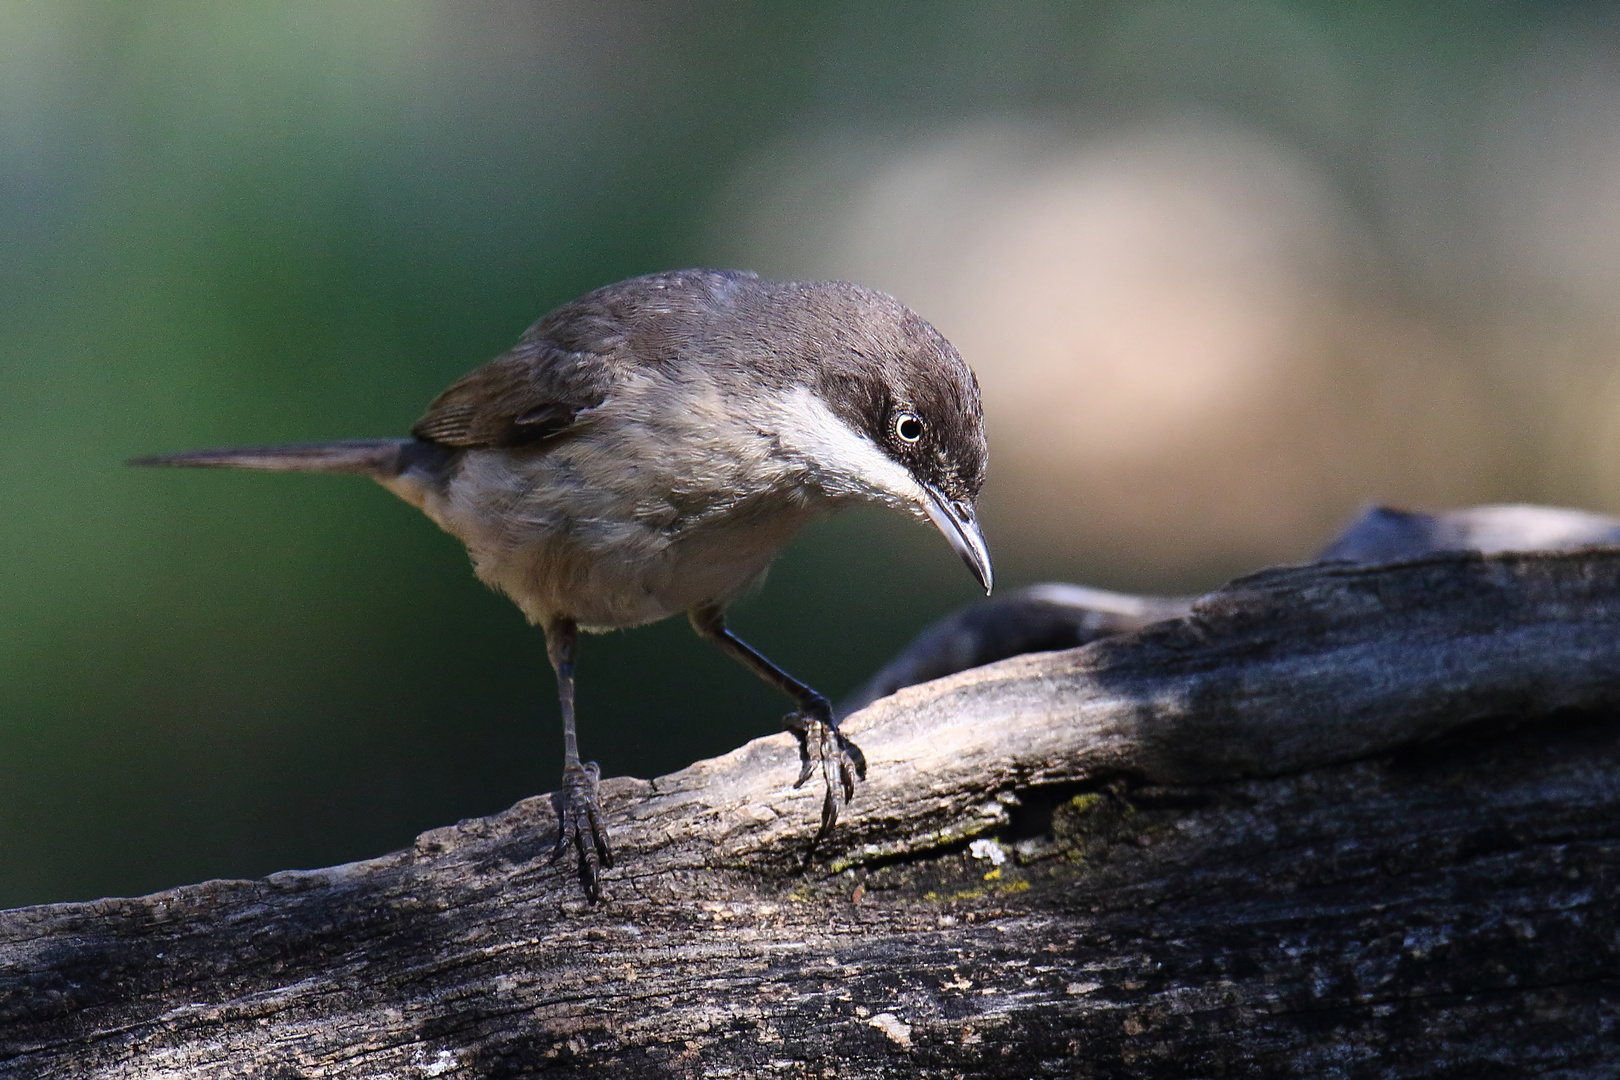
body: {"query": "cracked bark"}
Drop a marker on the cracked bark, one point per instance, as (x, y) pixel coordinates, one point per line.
(1338, 821)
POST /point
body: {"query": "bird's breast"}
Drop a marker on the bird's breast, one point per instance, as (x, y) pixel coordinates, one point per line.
(612, 532)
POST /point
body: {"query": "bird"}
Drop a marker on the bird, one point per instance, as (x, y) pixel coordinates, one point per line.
(648, 449)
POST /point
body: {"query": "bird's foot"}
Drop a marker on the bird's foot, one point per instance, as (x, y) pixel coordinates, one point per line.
(838, 757)
(579, 823)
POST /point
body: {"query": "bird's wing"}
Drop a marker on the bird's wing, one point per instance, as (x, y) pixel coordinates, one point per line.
(569, 362)
(535, 391)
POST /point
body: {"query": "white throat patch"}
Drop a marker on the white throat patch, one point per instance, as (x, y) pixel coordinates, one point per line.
(842, 460)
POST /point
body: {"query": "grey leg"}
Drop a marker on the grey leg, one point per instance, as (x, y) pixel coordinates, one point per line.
(814, 712)
(579, 812)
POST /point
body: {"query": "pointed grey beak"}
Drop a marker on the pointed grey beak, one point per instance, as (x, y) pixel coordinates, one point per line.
(961, 528)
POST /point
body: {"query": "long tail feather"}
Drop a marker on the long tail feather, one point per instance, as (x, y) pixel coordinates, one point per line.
(368, 457)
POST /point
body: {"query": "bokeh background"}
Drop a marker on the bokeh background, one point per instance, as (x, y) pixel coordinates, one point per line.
(1227, 271)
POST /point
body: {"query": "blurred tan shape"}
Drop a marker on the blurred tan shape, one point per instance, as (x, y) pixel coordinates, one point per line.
(1184, 367)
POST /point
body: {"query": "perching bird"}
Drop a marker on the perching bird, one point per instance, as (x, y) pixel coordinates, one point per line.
(649, 448)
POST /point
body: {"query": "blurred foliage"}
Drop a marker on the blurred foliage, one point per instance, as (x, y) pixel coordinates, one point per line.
(269, 222)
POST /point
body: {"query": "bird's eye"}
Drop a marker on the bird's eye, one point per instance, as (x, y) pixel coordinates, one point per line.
(908, 427)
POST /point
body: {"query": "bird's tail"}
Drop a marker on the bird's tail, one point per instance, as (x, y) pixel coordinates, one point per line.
(380, 458)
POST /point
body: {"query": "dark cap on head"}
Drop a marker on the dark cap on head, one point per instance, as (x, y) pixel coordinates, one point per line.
(882, 369)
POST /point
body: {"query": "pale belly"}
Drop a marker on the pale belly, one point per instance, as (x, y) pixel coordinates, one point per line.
(563, 547)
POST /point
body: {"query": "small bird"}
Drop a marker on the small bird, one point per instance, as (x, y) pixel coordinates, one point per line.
(649, 448)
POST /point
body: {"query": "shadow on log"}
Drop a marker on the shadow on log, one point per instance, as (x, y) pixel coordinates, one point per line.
(1337, 821)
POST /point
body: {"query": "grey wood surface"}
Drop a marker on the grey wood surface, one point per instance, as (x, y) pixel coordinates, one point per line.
(1338, 821)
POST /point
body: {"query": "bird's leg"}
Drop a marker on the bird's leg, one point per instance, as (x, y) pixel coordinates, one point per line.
(579, 812)
(814, 711)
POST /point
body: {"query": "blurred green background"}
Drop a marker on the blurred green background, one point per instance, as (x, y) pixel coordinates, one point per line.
(274, 222)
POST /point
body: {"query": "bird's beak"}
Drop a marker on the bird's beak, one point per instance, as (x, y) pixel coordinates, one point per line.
(957, 521)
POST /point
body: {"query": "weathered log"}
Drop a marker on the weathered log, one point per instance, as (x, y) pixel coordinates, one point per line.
(1044, 618)
(1040, 618)
(1338, 821)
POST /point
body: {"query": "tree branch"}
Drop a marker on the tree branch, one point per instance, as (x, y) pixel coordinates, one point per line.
(1336, 815)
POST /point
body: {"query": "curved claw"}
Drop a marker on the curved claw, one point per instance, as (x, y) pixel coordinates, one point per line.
(800, 727)
(829, 818)
(807, 765)
(852, 752)
(579, 824)
(841, 763)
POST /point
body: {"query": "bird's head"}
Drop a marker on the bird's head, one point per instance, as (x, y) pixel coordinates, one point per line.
(887, 410)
